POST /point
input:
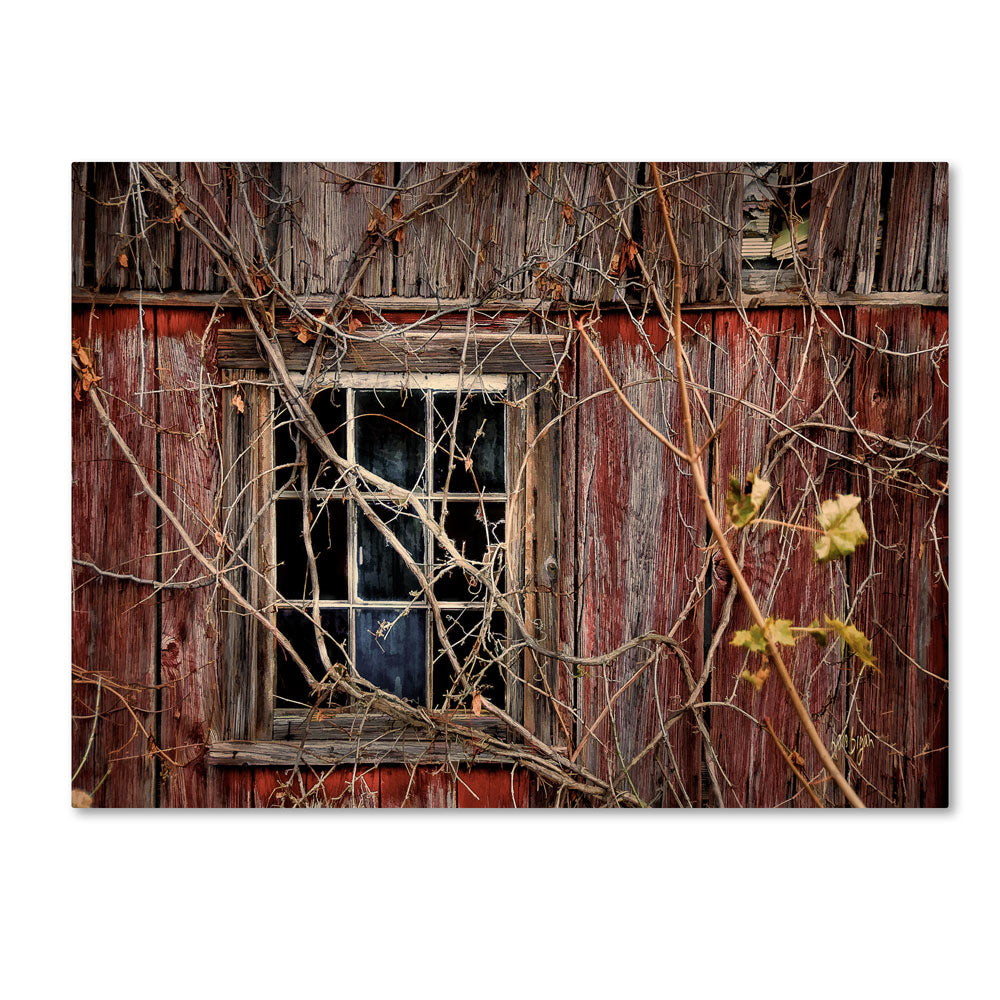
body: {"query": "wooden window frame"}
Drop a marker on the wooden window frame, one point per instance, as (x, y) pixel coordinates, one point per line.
(248, 730)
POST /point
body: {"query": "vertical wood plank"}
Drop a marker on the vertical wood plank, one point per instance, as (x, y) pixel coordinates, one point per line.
(416, 788)
(706, 202)
(555, 224)
(114, 621)
(245, 689)
(499, 211)
(79, 221)
(639, 535)
(337, 788)
(515, 521)
(204, 183)
(937, 248)
(111, 226)
(492, 788)
(189, 626)
(900, 718)
(435, 256)
(601, 232)
(843, 225)
(789, 364)
(907, 228)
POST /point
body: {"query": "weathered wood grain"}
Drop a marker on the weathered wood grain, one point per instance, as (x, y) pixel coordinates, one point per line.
(113, 621)
(246, 669)
(901, 713)
(908, 225)
(205, 185)
(338, 788)
(230, 788)
(111, 226)
(416, 788)
(337, 753)
(334, 208)
(492, 788)
(78, 233)
(638, 534)
(788, 363)
(434, 258)
(295, 725)
(499, 209)
(550, 722)
(190, 476)
(496, 344)
(757, 294)
(843, 225)
(600, 232)
(554, 227)
(937, 242)
(706, 202)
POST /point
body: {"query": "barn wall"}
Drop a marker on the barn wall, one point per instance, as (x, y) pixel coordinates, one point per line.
(629, 544)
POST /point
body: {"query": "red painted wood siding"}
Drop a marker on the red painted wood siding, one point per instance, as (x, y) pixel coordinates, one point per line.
(632, 544)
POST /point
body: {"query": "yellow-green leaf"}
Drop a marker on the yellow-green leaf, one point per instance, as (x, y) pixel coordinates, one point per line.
(854, 640)
(743, 503)
(843, 529)
(817, 633)
(779, 630)
(752, 639)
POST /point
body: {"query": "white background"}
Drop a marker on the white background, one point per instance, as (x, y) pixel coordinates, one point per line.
(274, 904)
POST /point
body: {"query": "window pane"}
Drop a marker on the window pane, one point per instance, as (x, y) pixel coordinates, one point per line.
(330, 407)
(475, 649)
(329, 540)
(382, 574)
(470, 534)
(390, 434)
(391, 652)
(298, 628)
(479, 438)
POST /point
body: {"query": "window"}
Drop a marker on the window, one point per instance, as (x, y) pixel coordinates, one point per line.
(500, 503)
(372, 609)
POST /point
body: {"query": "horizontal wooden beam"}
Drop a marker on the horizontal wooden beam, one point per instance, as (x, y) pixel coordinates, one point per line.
(494, 346)
(294, 724)
(749, 300)
(343, 740)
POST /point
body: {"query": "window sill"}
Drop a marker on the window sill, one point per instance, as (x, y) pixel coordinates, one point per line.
(345, 740)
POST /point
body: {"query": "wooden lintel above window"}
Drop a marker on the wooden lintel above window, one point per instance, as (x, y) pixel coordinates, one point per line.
(495, 344)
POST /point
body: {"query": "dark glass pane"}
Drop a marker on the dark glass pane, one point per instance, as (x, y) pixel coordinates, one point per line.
(390, 434)
(479, 438)
(475, 650)
(297, 627)
(329, 540)
(470, 534)
(382, 574)
(330, 407)
(391, 652)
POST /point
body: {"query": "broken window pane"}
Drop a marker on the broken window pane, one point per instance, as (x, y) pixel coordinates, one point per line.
(382, 574)
(391, 651)
(470, 533)
(390, 435)
(479, 459)
(329, 540)
(478, 652)
(297, 627)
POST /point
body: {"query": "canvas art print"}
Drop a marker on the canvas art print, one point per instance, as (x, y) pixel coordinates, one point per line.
(534, 485)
